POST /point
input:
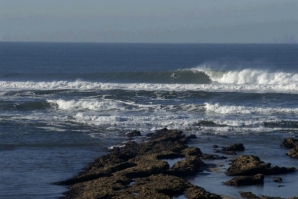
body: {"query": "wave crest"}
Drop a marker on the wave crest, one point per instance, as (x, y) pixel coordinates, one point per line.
(250, 76)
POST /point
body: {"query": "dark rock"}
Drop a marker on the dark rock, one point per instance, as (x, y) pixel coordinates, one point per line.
(110, 176)
(226, 152)
(192, 136)
(277, 179)
(289, 143)
(212, 157)
(234, 147)
(292, 144)
(279, 170)
(134, 133)
(192, 151)
(188, 166)
(149, 134)
(215, 146)
(293, 153)
(252, 165)
(249, 195)
(246, 180)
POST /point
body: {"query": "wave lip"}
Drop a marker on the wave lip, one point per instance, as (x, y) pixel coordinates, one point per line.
(250, 76)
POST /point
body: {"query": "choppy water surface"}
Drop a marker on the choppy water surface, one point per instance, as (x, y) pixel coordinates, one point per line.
(62, 105)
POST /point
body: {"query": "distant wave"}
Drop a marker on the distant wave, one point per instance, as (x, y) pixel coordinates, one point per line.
(84, 85)
(164, 77)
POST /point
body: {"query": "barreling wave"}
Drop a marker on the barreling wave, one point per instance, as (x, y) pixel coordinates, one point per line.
(250, 76)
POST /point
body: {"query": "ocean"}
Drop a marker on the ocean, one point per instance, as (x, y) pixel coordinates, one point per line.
(63, 104)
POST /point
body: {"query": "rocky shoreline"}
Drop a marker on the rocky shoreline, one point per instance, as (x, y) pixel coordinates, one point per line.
(141, 170)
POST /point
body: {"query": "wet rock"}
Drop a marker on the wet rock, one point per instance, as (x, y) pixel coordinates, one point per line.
(192, 136)
(134, 133)
(226, 152)
(188, 166)
(192, 151)
(279, 170)
(248, 195)
(277, 179)
(289, 143)
(234, 147)
(212, 157)
(231, 150)
(246, 180)
(215, 146)
(252, 165)
(110, 176)
(293, 153)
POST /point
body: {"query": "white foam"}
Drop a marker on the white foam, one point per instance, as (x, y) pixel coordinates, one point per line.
(217, 108)
(85, 104)
(250, 76)
(83, 85)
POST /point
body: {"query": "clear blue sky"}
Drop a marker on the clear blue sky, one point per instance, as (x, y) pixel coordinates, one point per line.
(165, 21)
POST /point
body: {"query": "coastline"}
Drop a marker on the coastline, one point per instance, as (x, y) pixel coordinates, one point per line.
(167, 165)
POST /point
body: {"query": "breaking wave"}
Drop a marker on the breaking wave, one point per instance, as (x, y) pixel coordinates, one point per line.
(217, 108)
(83, 85)
(250, 76)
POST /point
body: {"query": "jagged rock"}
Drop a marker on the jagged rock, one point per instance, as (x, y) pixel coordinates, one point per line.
(289, 143)
(111, 175)
(245, 180)
(134, 133)
(234, 147)
(212, 157)
(226, 152)
(293, 153)
(250, 195)
(252, 165)
(188, 166)
(231, 150)
(192, 151)
(277, 179)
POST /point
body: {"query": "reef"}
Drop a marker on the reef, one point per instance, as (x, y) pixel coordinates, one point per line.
(142, 170)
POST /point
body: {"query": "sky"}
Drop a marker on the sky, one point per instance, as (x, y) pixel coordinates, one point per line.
(150, 21)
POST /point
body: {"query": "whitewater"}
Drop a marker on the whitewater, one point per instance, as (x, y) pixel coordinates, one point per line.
(67, 103)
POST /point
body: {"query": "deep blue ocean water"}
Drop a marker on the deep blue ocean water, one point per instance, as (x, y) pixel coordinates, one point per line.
(63, 104)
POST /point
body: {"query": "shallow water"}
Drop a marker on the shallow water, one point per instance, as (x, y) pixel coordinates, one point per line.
(266, 146)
